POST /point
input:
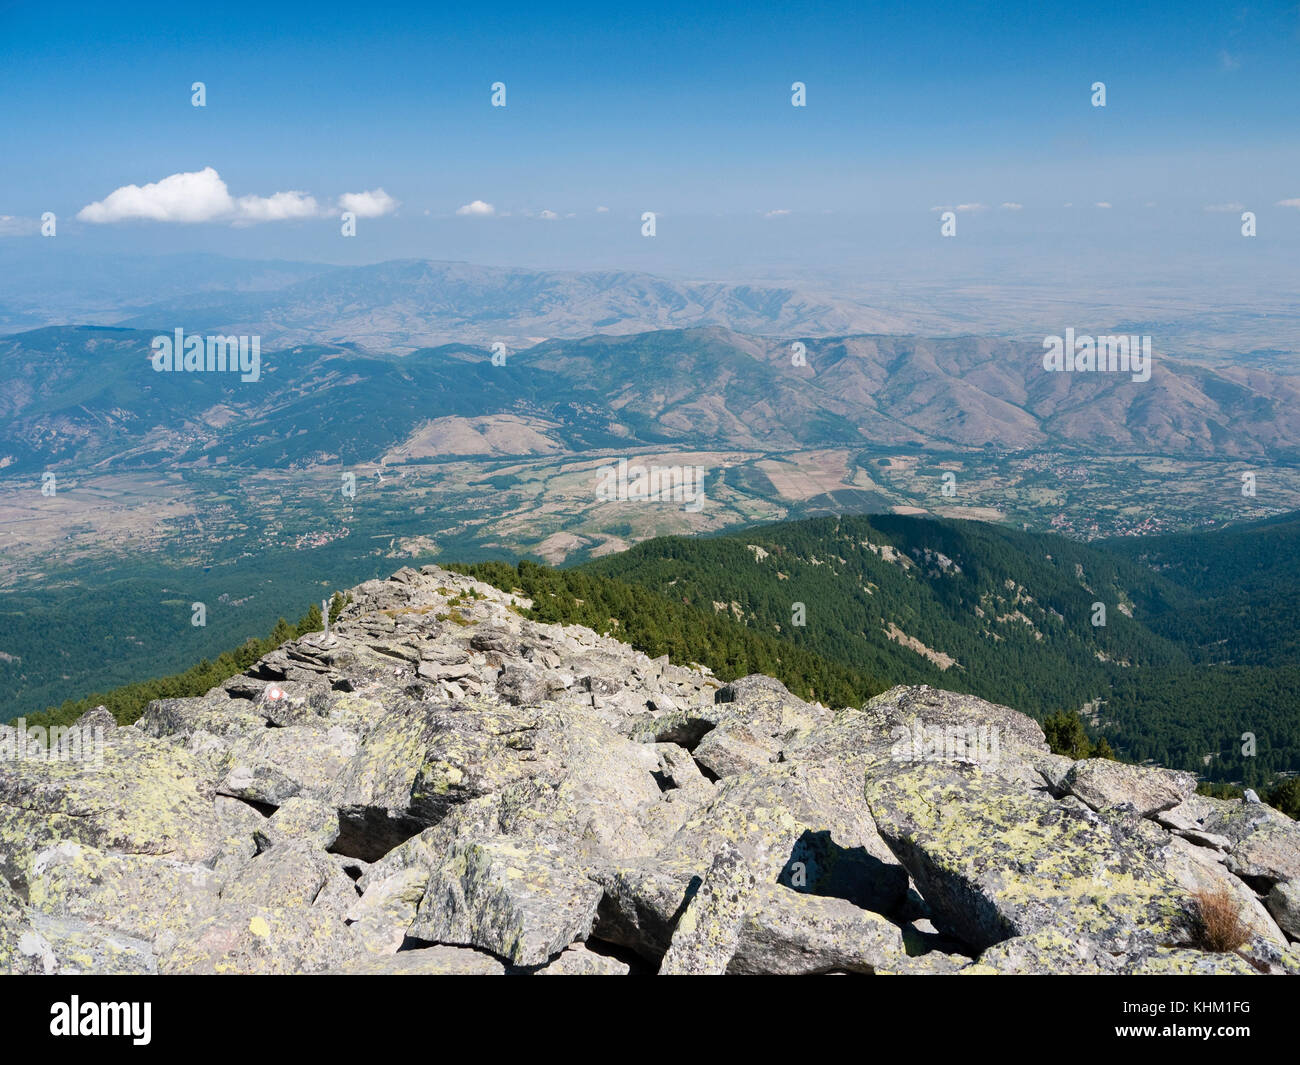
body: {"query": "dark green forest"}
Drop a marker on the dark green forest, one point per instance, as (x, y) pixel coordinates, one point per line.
(1197, 654)
(660, 625)
(128, 702)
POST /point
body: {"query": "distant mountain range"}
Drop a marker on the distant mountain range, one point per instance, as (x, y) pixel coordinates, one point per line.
(408, 304)
(89, 396)
(51, 285)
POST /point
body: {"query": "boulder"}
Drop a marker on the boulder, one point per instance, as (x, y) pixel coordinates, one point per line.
(381, 916)
(147, 797)
(524, 902)
(1101, 783)
(581, 960)
(791, 933)
(1284, 905)
(994, 861)
(708, 931)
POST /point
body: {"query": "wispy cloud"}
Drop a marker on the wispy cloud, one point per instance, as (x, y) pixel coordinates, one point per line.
(1287, 203)
(1102, 204)
(373, 204)
(13, 226)
(962, 207)
(777, 213)
(278, 207)
(1226, 207)
(1009, 206)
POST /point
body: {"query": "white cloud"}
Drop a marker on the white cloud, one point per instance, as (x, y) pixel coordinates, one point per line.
(549, 216)
(373, 204)
(1230, 207)
(1009, 206)
(602, 210)
(477, 209)
(1103, 204)
(200, 196)
(196, 196)
(971, 207)
(279, 207)
(776, 213)
(1287, 203)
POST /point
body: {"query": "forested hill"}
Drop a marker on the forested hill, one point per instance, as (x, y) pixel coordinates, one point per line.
(1246, 581)
(964, 605)
(1014, 617)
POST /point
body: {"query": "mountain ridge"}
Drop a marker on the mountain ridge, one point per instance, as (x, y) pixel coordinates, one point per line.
(713, 388)
(406, 304)
(442, 785)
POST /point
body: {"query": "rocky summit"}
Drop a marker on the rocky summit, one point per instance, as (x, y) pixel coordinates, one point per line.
(440, 785)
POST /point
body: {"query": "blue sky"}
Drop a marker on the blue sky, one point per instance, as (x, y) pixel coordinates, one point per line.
(670, 107)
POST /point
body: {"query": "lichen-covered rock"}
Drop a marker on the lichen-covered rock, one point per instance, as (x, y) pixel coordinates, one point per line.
(754, 717)
(789, 824)
(77, 948)
(276, 764)
(419, 762)
(1263, 844)
(293, 875)
(708, 931)
(580, 960)
(138, 895)
(97, 717)
(521, 687)
(148, 797)
(789, 932)
(1268, 855)
(995, 861)
(244, 938)
(1284, 905)
(522, 901)
(42, 945)
(1044, 953)
(793, 828)
(381, 916)
(20, 950)
(299, 818)
(905, 706)
(640, 905)
(592, 790)
(1165, 961)
(215, 713)
(1101, 782)
(1198, 869)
